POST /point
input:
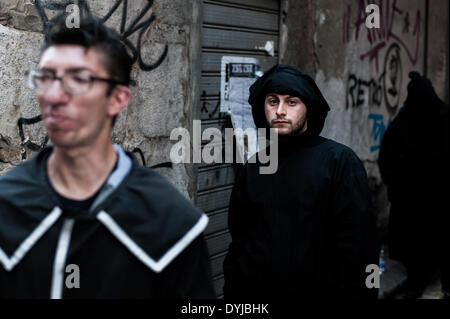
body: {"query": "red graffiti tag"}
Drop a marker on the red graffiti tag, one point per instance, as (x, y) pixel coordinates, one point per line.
(379, 38)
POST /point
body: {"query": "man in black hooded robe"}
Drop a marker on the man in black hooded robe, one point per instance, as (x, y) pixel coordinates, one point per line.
(308, 230)
(414, 165)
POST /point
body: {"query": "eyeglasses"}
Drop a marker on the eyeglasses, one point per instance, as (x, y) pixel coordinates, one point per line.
(73, 82)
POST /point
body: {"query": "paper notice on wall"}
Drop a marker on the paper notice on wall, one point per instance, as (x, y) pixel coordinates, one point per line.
(237, 75)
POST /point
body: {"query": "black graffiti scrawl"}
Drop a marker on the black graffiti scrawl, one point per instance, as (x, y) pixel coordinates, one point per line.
(26, 143)
(128, 26)
(393, 77)
(385, 87)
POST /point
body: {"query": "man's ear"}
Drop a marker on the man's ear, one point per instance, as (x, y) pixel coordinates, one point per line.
(118, 100)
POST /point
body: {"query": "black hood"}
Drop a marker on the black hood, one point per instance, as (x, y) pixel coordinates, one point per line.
(285, 79)
(422, 101)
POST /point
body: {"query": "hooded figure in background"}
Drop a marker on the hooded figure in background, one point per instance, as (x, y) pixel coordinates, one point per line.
(308, 230)
(414, 165)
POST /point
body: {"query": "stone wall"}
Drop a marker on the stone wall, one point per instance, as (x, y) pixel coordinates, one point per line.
(160, 102)
(363, 72)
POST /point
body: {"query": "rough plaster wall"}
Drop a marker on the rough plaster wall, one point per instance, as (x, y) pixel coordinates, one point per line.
(296, 34)
(355, 68)
(18, 52)
(160, 102)
(193, 102)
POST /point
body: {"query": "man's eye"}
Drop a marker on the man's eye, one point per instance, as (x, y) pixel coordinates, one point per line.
(79, 79)
(292, 102)
(273, 101)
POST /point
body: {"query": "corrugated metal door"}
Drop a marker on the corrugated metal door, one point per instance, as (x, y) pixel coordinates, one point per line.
(236, 28)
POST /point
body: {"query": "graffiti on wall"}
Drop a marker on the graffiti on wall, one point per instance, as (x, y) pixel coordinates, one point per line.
(128, 27)
(399, 36)
(378, 129)
(379, 38)
(209, 109)
(141, 159)
(383, 88)
(25, 141)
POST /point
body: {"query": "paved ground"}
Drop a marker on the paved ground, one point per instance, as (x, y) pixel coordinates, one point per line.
(433, 291)
(394, 277)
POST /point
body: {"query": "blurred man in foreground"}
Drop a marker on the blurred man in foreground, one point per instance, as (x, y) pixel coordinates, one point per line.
(82, 219)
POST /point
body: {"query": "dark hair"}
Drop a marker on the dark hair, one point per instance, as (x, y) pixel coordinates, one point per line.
(93, 34)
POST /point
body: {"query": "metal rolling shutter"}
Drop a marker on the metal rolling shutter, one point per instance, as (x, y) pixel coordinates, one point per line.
(236, 28)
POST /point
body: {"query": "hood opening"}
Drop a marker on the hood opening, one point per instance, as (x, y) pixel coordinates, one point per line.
(285, 79)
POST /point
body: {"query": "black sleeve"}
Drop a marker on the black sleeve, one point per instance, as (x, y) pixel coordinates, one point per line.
(356, 244)
(189, 275)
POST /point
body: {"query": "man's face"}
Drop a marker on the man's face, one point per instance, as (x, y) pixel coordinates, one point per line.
(285, 113)
(74, 120)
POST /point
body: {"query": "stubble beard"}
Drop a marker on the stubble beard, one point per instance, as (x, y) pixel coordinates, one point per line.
(296, 129)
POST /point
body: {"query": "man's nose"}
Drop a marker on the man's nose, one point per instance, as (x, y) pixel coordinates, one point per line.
(55, 93)
(282, 108)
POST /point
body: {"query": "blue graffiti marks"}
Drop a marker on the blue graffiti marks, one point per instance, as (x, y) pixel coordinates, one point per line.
(378, 129)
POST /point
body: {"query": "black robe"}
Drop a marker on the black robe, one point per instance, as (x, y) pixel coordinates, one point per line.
(414, 165)
(141, 238)
(306, 231)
